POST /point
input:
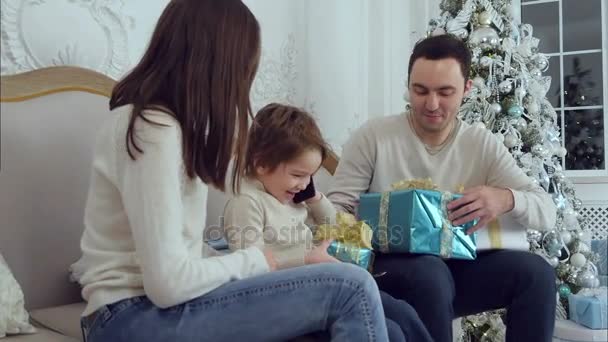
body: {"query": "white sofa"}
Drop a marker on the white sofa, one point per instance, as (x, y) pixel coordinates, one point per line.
(48, 126)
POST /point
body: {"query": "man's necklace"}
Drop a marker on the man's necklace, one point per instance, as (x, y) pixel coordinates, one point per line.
(433, 150)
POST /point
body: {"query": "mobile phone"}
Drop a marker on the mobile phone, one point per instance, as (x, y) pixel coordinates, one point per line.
(305, 194)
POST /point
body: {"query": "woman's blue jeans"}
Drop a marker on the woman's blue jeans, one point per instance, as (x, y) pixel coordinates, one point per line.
(340, 298)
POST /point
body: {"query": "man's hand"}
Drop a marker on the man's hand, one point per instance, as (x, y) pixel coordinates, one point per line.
(484, 203)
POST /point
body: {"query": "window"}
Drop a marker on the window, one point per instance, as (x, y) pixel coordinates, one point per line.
(573, 33)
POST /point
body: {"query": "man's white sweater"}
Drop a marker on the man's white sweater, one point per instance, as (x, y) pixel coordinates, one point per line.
(386, 150)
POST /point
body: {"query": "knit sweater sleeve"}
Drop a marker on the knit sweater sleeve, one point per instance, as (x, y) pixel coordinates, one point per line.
(533, 207)
(246, 226)
(320, 212)
(355, 170)
(152, 197)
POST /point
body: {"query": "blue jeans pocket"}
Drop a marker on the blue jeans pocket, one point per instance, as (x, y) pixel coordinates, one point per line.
(104, 315)
(88, 323)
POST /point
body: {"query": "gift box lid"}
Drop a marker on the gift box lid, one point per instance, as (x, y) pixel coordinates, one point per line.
(566, 330)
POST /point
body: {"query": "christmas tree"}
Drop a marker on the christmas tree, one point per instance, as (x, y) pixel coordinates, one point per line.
(509, 98)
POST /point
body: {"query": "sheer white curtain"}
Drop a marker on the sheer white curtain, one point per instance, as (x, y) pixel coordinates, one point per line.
(343, 60)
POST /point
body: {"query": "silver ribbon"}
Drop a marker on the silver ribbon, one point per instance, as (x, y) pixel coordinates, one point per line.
(447, 235)
(383, 222)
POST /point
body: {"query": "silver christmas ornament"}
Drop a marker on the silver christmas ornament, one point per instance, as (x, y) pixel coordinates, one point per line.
(510, 141)
(541, 63)
(479, 82)
(484, 18)
(496, 108)
(536, 73)
(553, 261)
(578, 260)
(572, 277)
(577, 204)
(534, 235)
(485, 37)
(521, 124)
(586, 279)
(505, 87)
(538, 150)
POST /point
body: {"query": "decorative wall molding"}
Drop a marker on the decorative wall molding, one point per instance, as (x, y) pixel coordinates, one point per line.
(276, 77)
(35, 35)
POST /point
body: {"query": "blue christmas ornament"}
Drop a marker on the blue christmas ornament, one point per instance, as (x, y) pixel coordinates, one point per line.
(564, 290)
(515, 111)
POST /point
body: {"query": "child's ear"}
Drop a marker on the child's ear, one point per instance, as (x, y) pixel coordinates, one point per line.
(261, 170)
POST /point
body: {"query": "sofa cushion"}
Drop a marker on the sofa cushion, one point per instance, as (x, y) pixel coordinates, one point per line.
(42, 335)
(63, 319)
(13, 317)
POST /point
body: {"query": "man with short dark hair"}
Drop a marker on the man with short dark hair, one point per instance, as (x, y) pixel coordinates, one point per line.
(430, 141)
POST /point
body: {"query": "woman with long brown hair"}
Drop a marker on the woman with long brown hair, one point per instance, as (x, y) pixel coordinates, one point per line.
(179, 117)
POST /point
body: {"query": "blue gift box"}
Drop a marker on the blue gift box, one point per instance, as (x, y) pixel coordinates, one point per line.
(352, 254)
(590, 310)
(415, 221)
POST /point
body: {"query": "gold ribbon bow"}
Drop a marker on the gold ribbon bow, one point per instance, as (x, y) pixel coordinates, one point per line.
(347, 230)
